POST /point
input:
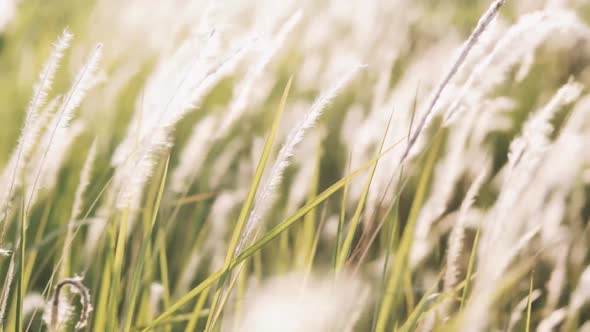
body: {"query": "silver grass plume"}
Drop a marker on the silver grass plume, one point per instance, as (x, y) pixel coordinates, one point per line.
(49, 166)
(455, 244)
(534, 138)
(244, 89)
(59, 131)
(11, 177)
(485, 20)
(265, 198)
(34, 123)
(85, 177)
(524, 157)
(60, 134)
(581, 294)
(516, 45)
(185, 80)
(209, 130)
(448, 172)
(503, 234)
(303, 303)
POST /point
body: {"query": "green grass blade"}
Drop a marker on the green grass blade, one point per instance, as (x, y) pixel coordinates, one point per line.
(418, 311)
(355, 221)
(21, 287)
(529, 306)
(307, 233)
(341, 218)
(316, 242)
(117, 267)
(402, 254)
(32, 256)
(247, 205)
(104, 287)
(128, 317)
(164, 272)
(196, 314)
(276, 231)
(185, 299)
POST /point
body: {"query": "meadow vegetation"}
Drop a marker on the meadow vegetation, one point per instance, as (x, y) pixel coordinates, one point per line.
(315, 165)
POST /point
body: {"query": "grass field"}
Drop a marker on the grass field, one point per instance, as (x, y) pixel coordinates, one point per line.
(315, 165)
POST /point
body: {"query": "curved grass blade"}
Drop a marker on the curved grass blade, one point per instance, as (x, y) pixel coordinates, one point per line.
(242, 219)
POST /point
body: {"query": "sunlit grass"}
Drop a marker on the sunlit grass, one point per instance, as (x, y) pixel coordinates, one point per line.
(341, 147)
